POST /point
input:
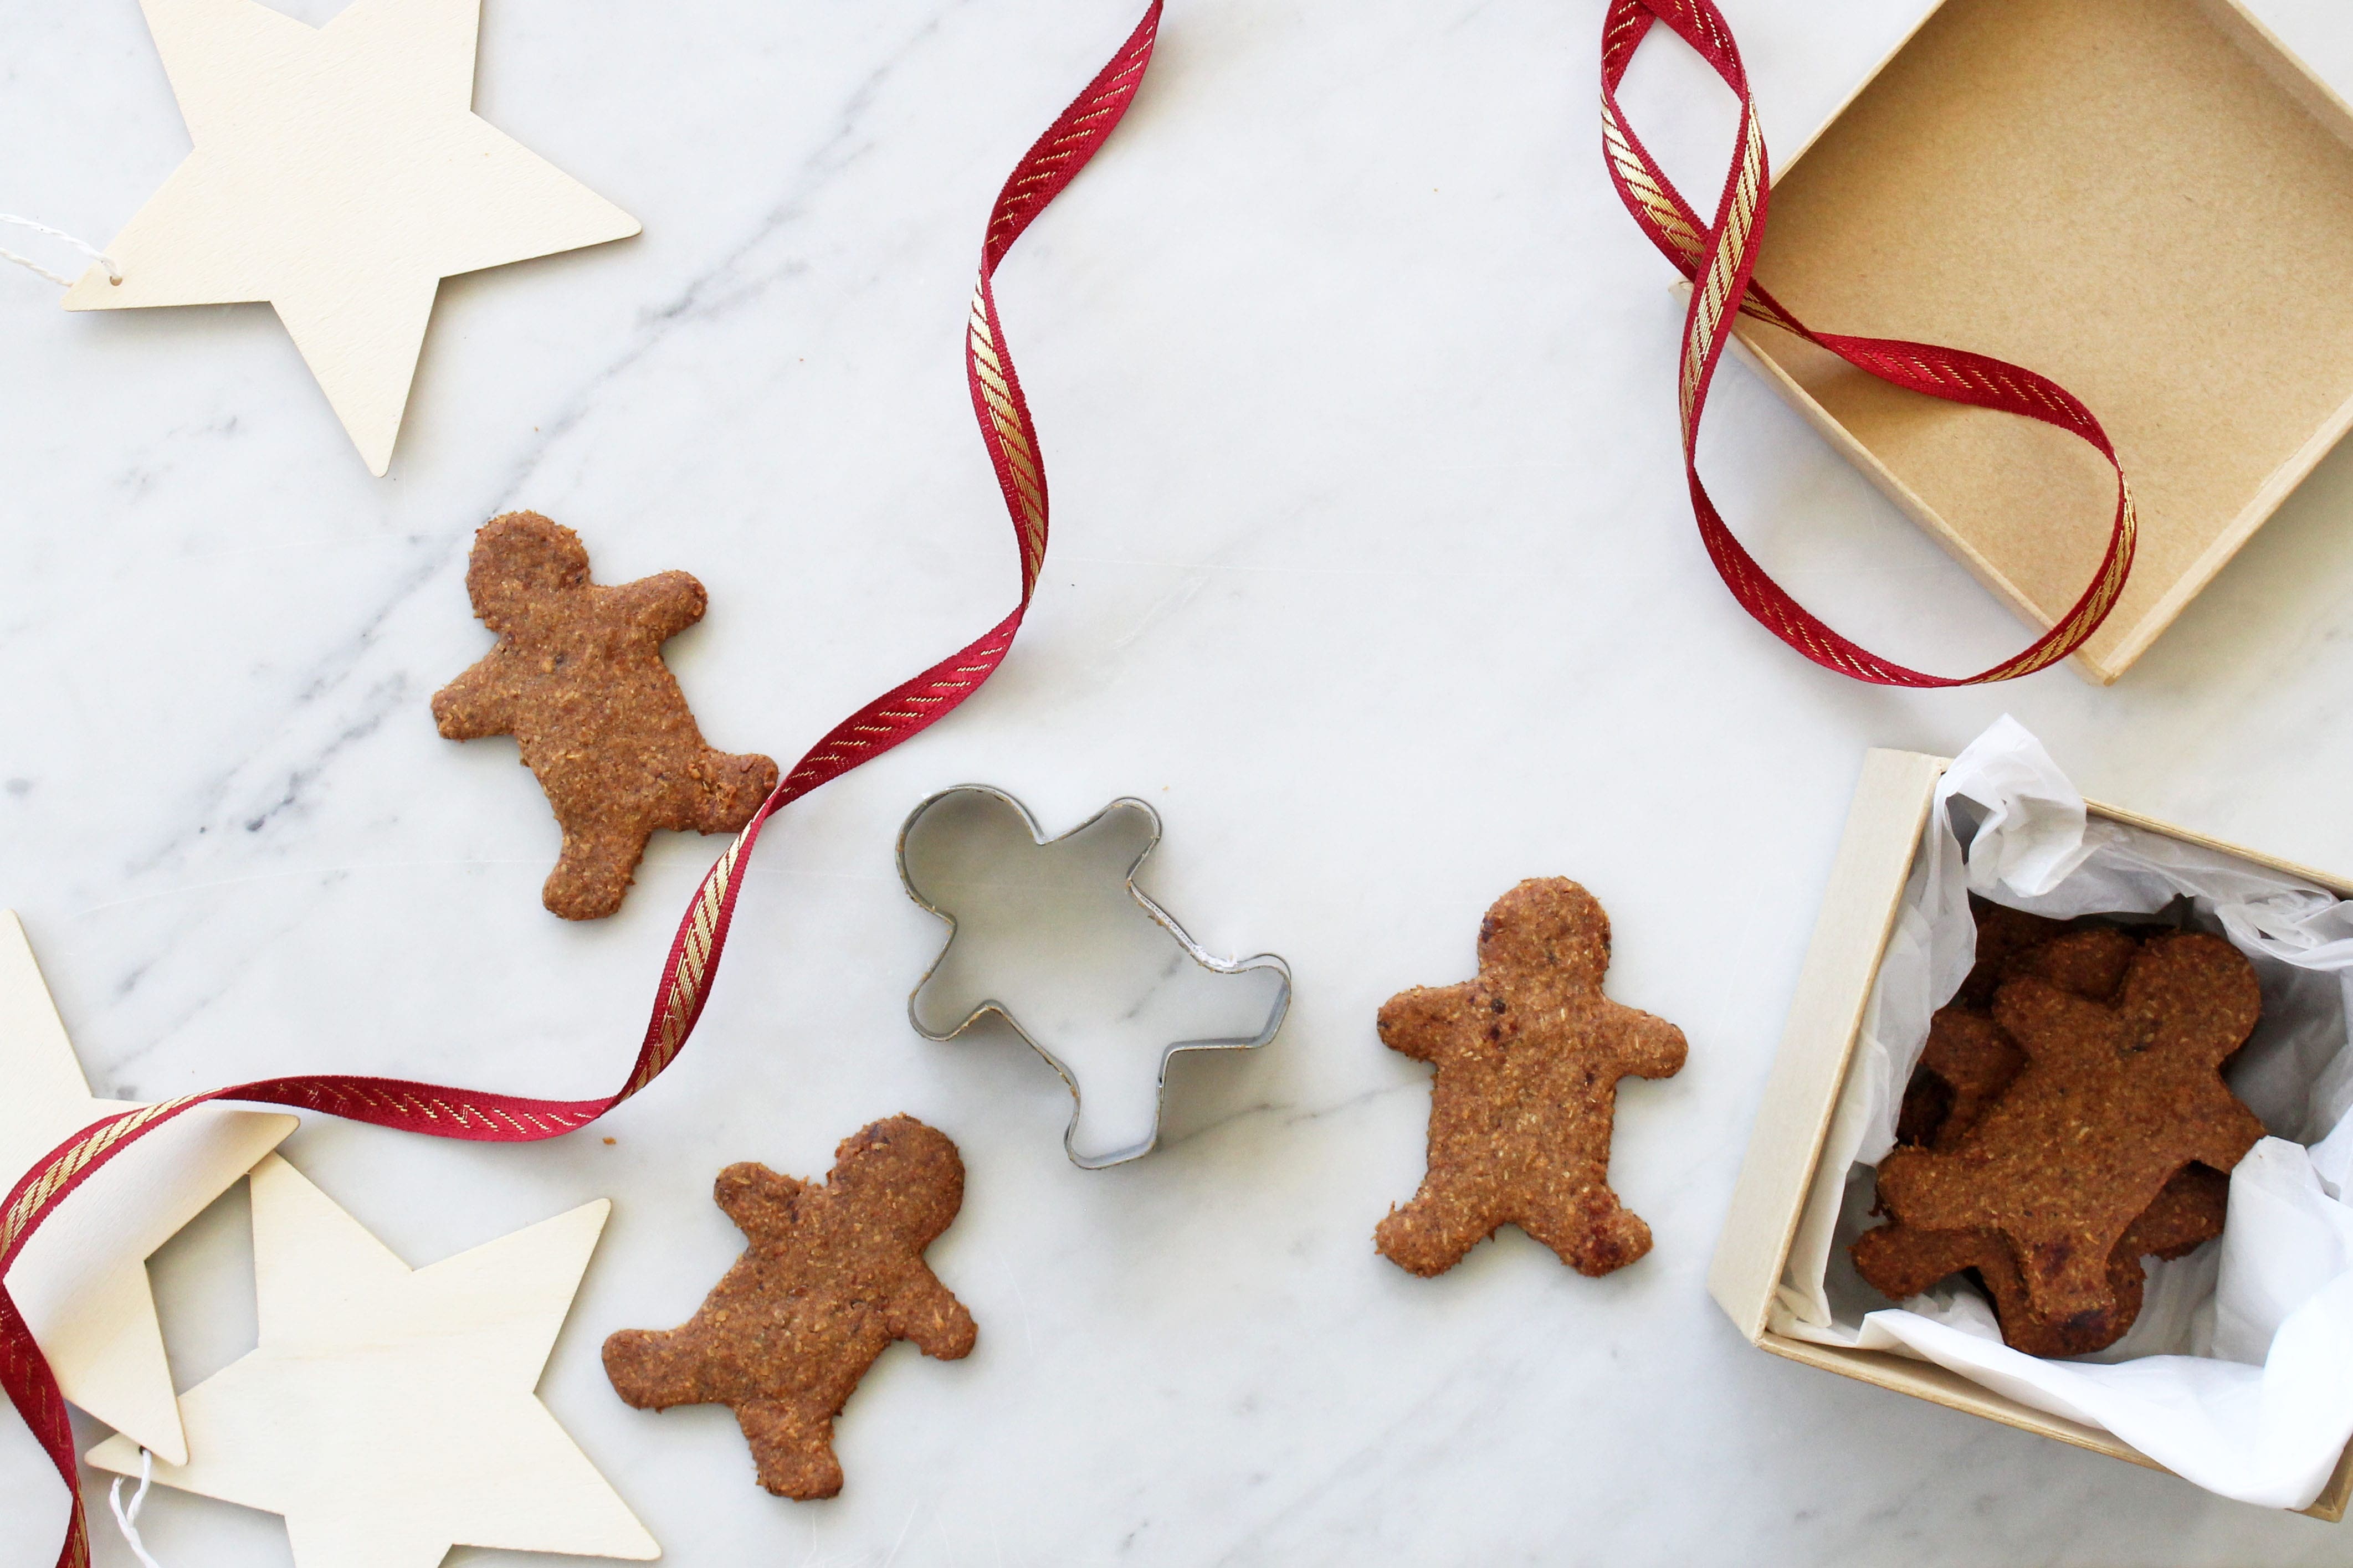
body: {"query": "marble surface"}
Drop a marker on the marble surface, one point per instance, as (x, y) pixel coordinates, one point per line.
(1373, 572)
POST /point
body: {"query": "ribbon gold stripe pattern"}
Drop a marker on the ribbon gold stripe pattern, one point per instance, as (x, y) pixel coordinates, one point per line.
(1720, 259)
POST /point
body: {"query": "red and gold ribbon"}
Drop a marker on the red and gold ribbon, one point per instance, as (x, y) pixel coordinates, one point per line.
(1720, 259)
(898, 715)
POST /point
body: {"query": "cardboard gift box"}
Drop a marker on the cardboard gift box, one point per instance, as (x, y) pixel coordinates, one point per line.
(2148, 201)
(1876, 857)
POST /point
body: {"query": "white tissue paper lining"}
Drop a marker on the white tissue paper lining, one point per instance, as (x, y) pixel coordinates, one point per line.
(2238, 1374)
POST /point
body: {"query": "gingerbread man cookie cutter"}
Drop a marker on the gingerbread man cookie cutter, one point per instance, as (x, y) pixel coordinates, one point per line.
(1054, 936)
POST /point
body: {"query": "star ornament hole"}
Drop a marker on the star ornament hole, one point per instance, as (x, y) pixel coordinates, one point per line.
(1053, 936)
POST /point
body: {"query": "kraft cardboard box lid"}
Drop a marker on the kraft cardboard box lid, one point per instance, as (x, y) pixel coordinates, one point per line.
(2149, 201)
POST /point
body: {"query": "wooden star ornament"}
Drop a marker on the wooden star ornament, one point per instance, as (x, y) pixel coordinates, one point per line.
(339, 173)
(389, 1413)
(81, 1280)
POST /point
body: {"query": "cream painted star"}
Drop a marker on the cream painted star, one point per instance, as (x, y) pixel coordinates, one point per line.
(340, 173)
(388, 1413)
(82, 1280)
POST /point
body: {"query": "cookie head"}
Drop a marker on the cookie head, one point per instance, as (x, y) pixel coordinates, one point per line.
(2194, 994)
(1548, 926)
(2088, 964)
(520, 560)
(904, 1174)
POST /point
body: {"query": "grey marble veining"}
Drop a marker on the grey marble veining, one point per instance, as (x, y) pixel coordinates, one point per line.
(1373, 572)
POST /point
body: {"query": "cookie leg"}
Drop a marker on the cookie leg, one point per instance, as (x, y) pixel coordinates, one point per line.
(2095, 1329)
(793, 1448)
(1593, 1233)
(1430, 1235)
(732, 789)
(589, 880)
(2068, 1281)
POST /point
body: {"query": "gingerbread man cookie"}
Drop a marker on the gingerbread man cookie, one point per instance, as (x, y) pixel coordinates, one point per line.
(578, 678)
(2113, 1103)
(833, 1274)
(1968, 1062)
(1528, 1058)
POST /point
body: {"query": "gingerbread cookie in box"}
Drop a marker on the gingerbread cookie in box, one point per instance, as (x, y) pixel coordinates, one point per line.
(2068, 1118)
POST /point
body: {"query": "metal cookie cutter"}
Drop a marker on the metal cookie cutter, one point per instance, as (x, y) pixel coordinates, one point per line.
(1054, 936)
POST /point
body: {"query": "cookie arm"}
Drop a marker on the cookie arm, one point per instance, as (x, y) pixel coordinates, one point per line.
(1932, 1191)
(927, 1311)
(1900, 1261)
(2225, 1138)
(664, 604)
(1430, 1023)
(762, 1203)
(478, 704)
(1970, 1052)
(1647, 1045)
(653, 1369)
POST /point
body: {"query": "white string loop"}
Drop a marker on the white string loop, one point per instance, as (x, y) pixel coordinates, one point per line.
(113, 273)
(127, 1519)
